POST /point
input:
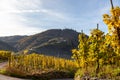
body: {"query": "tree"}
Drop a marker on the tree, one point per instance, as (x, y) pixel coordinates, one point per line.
(113, 23)
(81, 53)
(112, 20)
(96, 41)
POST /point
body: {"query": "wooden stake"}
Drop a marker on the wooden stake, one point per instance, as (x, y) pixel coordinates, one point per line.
(97, 26)
(81, 31)
(112, 4)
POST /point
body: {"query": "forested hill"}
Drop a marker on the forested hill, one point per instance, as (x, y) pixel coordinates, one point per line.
(54, 42)
(5, 46)
(11, 40)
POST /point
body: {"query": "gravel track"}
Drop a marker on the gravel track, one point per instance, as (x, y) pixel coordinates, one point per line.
(3, 77)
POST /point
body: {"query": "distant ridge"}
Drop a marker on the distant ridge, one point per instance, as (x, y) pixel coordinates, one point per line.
(5, 46)
(11, 40)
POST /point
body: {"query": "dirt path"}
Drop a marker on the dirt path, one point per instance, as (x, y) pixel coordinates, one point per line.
(3, 77)
(3, 64)
(62, 79)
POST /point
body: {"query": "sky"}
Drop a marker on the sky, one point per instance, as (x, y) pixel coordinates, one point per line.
(28, 17)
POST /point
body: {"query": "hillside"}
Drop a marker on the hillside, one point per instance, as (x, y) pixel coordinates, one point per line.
(5, 46)
(55, 42)
(12, 40)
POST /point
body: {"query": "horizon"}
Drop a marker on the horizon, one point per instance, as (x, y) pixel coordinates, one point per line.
(29, 17)
(41, 32)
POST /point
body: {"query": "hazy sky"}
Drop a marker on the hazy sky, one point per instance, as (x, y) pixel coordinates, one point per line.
(26, 17)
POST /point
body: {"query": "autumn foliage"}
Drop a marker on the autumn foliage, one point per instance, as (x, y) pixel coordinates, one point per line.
(100, 52)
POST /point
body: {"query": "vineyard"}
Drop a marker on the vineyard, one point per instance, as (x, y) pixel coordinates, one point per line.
(99, 54)
(34, 63)
(96, 56)
(4, 55)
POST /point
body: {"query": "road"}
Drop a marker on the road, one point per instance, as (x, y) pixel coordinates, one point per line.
(62, 79)
(3, 77)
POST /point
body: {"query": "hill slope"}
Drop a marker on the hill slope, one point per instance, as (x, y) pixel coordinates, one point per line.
(55, 42)
(5, 46)
(11, 40)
